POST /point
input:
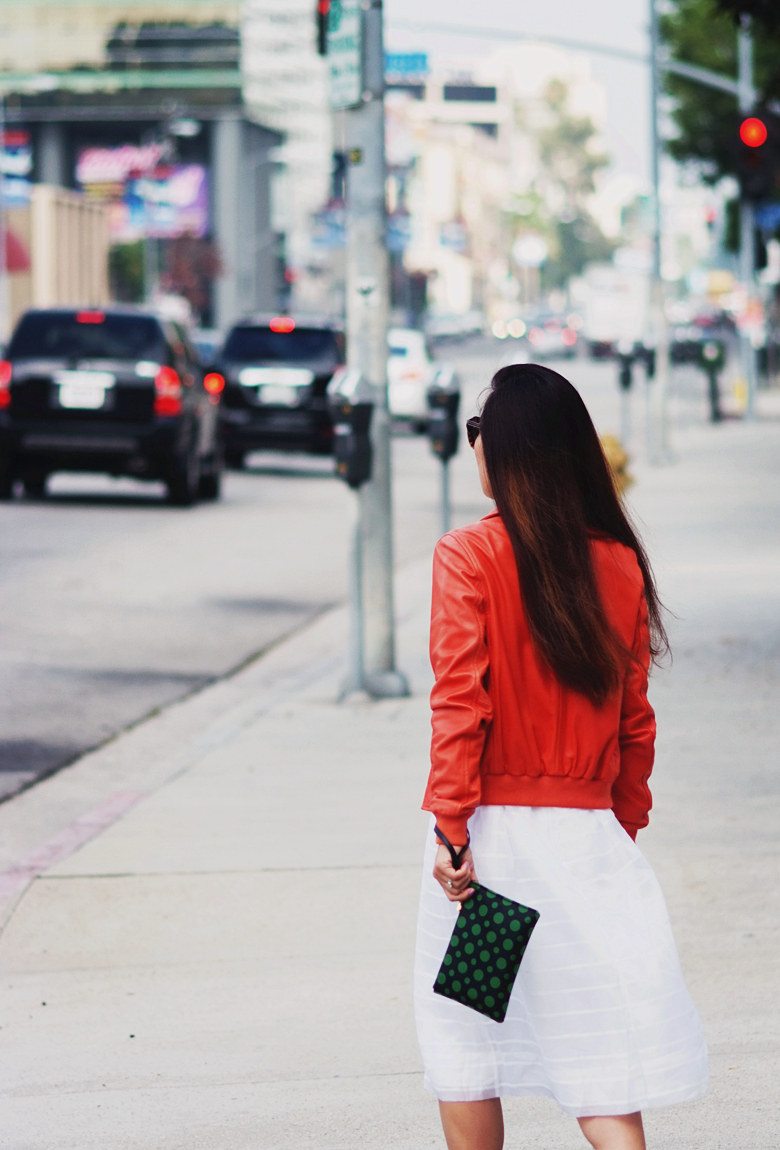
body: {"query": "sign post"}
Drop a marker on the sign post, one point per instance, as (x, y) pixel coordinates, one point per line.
(356, 59)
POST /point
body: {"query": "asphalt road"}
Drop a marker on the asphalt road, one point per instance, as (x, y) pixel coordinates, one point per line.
(113, 605)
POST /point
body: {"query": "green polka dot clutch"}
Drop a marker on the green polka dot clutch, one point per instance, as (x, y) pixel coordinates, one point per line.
(486, 949)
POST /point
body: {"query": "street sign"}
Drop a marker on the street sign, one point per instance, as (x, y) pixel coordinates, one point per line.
(407, 65)
(345, 54)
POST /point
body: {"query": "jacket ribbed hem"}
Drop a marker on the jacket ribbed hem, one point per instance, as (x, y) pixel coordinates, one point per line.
(523, 791)
(545, 791)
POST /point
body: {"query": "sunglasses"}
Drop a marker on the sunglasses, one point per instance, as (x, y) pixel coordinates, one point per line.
(472, 430)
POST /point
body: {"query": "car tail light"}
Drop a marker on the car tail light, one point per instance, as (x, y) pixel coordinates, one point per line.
(168, 392)
(214, 383)
(282, 323)
(90, 317)
(6, 372)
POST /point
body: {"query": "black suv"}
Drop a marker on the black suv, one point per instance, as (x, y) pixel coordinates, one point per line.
(277, 371)
(119, 391)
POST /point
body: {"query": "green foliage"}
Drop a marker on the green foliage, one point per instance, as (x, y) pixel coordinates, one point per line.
(565, 147)
(699, 32)
(570, 165)
(126, 272)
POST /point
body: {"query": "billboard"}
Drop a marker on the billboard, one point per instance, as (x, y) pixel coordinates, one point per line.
(146, 197)
(15, 166)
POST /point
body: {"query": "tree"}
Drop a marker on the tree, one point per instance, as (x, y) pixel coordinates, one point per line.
(700, 32)
(558, 208)
(126, 271)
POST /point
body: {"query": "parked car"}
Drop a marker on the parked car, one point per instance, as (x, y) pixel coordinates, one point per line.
(686, 338)
(551, 336)
(113, 390)
(277, 370)
(410, 372)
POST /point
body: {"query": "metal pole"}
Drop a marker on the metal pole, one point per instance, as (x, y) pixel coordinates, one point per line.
(747, 254)
(5, 294)
(356, 676)
(625, 417)
(446, 499)
(368, 305)
(658, 447)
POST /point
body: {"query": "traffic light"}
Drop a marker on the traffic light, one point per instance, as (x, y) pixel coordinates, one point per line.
(758, 155)
(323, 14)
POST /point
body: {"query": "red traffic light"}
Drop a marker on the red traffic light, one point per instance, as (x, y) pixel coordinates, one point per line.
(323, 16)
(753, 132)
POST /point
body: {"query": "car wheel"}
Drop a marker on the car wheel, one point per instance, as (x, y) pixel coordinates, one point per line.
(6, 483)
(34, 486)
(210, 486)
(184, 479)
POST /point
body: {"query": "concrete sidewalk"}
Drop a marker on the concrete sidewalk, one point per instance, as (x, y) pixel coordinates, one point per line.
(209, 923)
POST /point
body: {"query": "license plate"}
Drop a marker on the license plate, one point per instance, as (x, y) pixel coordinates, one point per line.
(87, 396)
(278, 394)
(84, 390)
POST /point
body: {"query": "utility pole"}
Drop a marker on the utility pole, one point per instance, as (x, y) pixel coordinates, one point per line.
(5, 293)
(658, 447)
(367, 315)
(747, 223)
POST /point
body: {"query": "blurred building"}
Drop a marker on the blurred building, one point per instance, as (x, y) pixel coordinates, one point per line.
(140, 105)
(286, 87)
(65, 241)
(464, 135)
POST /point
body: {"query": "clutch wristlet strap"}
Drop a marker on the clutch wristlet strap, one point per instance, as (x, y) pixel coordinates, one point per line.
(455, 855)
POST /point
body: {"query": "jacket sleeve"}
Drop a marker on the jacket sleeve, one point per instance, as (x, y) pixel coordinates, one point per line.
(460, 704)
(631, 799)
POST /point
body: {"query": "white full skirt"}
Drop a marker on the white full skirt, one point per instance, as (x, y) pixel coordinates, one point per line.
(600, 1018)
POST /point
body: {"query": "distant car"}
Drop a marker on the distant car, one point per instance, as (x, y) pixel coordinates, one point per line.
(277, 370)
(113, 390)
(686, 338)
(441, 326)
(551, 336)
(207, 342)
(410, 372)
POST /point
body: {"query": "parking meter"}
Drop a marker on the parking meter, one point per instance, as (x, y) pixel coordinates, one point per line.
(625, 358)
(443, 406)
(648, 354)
(351, 412)
(712, 357)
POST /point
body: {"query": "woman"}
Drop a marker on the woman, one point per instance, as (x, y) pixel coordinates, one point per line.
(544, 621)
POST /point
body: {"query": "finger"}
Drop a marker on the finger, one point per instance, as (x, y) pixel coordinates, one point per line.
(444, 871)
(460, 896)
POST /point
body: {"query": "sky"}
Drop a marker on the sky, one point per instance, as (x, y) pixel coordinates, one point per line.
(615, 23)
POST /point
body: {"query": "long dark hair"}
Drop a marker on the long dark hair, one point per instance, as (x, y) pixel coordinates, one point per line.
(552, 485)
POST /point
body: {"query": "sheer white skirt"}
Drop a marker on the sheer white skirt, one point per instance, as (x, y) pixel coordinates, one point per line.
(600, 1018)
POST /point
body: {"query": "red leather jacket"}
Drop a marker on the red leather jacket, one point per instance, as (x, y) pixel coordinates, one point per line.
(505, 730)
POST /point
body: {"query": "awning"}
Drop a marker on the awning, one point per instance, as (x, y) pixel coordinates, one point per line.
(15, 257)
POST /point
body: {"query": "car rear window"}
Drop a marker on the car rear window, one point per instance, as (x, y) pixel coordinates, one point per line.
(58, 336)
(249, 344)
